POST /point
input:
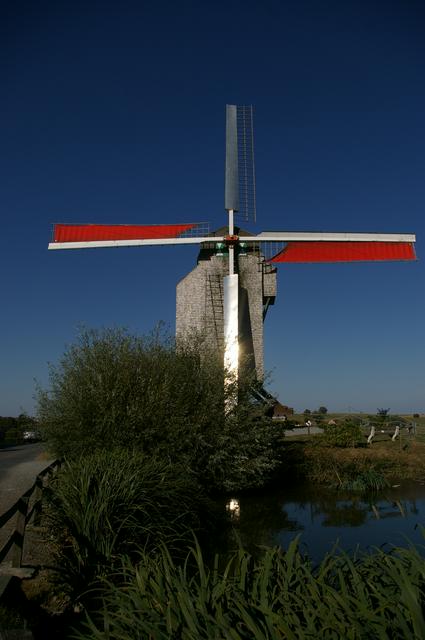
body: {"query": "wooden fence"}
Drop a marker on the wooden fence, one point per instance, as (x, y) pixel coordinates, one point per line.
(15, 543)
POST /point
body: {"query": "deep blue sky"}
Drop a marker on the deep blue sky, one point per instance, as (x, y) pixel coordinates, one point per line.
(113, 112)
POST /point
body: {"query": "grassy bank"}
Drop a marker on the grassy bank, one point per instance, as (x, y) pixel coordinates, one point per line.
(338, 466)
(311, 458)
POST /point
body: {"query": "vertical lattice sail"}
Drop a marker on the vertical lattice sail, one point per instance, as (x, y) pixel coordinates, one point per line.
(247, 204)
(231, 186)
(240, 168)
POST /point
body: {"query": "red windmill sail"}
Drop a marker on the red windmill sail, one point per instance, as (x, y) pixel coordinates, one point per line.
(345, 252)
(97, 232)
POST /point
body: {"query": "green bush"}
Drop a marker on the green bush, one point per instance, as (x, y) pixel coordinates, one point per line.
(115, 503)
(114, 389)
(280, 596)
(345, 434)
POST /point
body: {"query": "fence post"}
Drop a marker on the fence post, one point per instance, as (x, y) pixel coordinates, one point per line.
(15, 543)
(38, 497)
(18, 537)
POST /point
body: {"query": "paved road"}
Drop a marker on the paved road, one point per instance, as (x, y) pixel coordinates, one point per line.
(19, 467)
(303, 431)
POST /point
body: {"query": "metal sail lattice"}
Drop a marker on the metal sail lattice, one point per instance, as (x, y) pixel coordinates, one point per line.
(246, 165)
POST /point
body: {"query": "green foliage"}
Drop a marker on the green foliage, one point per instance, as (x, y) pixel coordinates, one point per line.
(15, 427)
(114, 389)
(7, 422)
(25, 422)
(280, 596)
(244, 452)
(369, 480)
(114, 503)
(322, 410)
(383, 414)
(345, 434)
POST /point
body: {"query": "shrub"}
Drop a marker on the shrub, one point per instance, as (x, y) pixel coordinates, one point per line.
(346, 434)
(114, 389)
(111, 388)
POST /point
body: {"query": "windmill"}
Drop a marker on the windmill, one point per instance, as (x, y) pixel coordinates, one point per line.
(232, 248)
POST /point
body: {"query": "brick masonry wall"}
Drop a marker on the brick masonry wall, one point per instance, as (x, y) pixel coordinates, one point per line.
(199, 305)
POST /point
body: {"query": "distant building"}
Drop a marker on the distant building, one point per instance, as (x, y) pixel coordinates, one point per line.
(281, 411)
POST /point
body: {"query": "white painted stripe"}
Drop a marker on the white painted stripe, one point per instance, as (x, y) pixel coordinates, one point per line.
(265, 236)
(97, 244)
(231, 341)
(307, 236)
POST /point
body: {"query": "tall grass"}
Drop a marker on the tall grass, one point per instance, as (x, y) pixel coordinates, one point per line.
(365, 482)
(110, 504)
(280, 596)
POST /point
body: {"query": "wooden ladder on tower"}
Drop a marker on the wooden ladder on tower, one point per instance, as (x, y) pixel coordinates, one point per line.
(214, 309)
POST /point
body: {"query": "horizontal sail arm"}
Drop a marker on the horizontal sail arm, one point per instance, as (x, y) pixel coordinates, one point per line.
(98, 244)
(319, 236)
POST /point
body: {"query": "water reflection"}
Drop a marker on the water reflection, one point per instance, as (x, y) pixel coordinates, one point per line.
(326, 518)
(233, 508)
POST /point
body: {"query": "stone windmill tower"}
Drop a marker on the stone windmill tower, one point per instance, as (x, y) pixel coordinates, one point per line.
(200, 300)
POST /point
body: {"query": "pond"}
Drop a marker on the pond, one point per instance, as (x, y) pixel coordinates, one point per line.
(324, 518)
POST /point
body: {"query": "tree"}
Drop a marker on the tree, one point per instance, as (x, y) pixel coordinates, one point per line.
(383, 413)
(6, 423)
(323, 410)
(307, 412)
(111, 388)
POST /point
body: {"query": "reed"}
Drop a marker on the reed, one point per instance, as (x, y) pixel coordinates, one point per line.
(366, 481)
(280, 596)
(113, 503)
